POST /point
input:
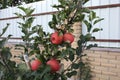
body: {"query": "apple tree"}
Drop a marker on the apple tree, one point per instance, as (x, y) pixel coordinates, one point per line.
(49, 50)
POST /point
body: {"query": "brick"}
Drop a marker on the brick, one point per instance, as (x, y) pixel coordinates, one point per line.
(114, 70)
(93, 74)
(76, 35)
(114, 61)
(101, 52)
(96, 71)
(118, 74)
(88, 58)
(108, 56)
(84, 58)
(76, 28)
(118, 57)
(101, 60)
(105, 64)
(108, 65)
(77, 31)
(114, 78)
(92, 67)
(89, 51)
(95, 63)
(102, 68)
(77, 24)
(114, 53)
(118, 66)
(94, 55)
(95, 78)
(109, 73)
(102, 77)
(91, 59)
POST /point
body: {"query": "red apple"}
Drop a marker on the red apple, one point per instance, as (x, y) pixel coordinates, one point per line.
(56, 38)
(35, 64)
(68, 37)
(54, 64)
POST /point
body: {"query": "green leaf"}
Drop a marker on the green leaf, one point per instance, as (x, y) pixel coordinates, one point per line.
(98, 20)
(88, 37)
(2, 43)
(89, 25)
(20, 16)
(82, 39)
(92, 16)
(71, 56)
(62, 2)
(81, 17)
(28, 11)
(75, 66)
(70, 74)
(79, 50)
(63, 16)
(63, 77)
(47, 77)
(22, 8)
(29, 21)
(81, 64)
(46, 69)
(96, 29)
(12, 64)
(52, 25)
(58, 6)
(86, 10)
(91, 45)
(85, 1)
(6, 54)
(63, 54)
(1, 64)
(4, 30)
(54, 19)
(41, 58)
(22, 68)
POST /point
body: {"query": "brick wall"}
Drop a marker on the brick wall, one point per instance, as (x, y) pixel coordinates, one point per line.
(105, 64)
(77, 32)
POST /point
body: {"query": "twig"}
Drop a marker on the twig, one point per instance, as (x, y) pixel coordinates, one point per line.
(70, 65)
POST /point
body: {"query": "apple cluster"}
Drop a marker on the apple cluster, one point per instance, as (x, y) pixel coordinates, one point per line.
(55, 38)
(58, 39)
(53, 63)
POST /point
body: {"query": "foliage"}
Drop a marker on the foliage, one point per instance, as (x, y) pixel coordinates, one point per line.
(9, 3)
(38, 43)
(7, 67)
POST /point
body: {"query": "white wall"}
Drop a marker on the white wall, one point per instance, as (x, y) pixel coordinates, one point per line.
(110, 24)
(40, 7)
(102, 2)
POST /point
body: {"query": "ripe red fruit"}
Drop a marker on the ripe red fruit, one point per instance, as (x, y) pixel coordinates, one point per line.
(35, 64)
(68, 37)
(56, 38)
(54, 64)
